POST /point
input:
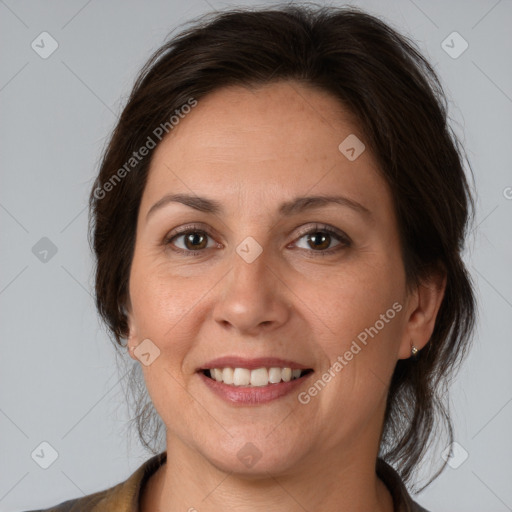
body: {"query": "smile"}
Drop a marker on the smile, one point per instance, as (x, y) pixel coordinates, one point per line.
(256, 377)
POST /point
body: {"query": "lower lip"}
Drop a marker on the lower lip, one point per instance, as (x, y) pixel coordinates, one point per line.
(245, 395)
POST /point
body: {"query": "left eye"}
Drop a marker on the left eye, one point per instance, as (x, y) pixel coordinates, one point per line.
(319, 239)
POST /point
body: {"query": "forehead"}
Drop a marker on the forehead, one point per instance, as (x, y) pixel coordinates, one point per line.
(280, 139)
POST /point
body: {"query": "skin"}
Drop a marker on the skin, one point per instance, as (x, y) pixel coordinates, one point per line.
(252, 149)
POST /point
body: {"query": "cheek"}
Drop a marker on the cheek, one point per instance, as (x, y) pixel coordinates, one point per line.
(363, 302)
(363, 311)
(160, 298)
(161, 305)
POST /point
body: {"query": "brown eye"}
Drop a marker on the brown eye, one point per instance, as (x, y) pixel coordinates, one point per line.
(320, 238)
(195, 240)
(191, 241)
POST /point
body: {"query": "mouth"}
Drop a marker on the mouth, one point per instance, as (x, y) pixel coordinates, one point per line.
(251, 382)
(256, 377)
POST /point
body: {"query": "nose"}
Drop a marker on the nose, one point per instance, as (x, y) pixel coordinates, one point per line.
(253, 298)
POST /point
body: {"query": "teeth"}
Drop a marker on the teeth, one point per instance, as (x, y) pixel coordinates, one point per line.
(241, 376)
(274, 375)
(257, 377)
(227, 376)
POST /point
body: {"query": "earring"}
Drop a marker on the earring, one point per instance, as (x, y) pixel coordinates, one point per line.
(414, 353)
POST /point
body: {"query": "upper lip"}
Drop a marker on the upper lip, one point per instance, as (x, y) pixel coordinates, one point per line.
(251, 364)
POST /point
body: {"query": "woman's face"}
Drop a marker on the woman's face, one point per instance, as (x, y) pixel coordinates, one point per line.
(250, 288)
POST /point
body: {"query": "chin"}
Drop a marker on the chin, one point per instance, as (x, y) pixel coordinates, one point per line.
(254, 457)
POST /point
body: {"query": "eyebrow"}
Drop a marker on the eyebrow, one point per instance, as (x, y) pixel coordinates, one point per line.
(286, 209)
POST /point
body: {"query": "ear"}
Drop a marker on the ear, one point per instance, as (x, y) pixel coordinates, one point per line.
(423, 306)
(132, 331)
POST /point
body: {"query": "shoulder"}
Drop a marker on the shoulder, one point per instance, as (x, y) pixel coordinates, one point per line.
(122, 497)
(85, 503)
(96, 502)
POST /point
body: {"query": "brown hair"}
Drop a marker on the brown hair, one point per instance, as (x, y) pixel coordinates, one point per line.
(395, 95)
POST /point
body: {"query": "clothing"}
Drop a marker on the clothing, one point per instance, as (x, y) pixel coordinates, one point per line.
(124, 497)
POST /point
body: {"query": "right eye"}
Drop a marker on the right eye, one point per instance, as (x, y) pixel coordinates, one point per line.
(194, 241)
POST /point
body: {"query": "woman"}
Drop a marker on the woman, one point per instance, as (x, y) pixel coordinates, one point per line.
(278, 224)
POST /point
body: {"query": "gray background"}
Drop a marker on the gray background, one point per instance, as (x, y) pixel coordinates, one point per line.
(58, 377)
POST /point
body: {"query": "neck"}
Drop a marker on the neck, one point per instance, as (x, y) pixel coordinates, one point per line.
(188, 482)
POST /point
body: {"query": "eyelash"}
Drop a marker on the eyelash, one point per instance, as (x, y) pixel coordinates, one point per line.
(322, 228)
